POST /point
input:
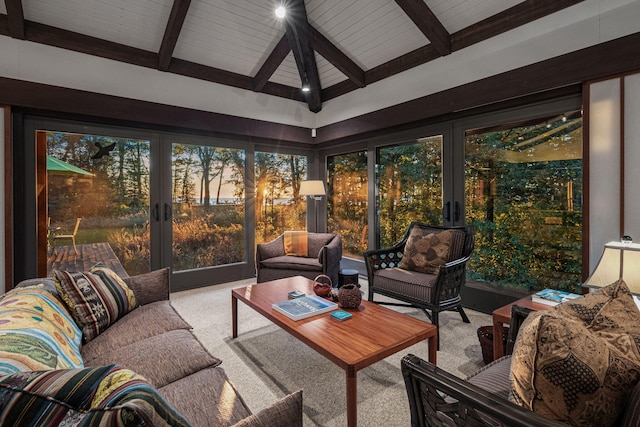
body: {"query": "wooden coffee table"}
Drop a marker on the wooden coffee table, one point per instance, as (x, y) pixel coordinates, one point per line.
(372, 334)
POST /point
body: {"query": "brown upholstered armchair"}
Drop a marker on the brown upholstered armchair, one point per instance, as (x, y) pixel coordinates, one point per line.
(324, 255)
(433, 293)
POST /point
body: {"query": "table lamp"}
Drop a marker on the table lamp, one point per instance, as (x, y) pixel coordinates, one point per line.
(619, 260)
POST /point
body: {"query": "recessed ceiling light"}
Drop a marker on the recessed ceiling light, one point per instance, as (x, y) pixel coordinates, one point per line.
(281, 12)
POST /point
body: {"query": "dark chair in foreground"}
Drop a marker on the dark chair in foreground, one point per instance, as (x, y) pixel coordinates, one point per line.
(434, 291)
(323, 257)
(438, 398)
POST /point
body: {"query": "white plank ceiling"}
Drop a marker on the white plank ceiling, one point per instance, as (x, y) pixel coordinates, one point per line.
(237, 36)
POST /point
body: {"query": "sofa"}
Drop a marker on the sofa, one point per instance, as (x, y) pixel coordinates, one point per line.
(577, 364)
(317, 254)
(134, 361)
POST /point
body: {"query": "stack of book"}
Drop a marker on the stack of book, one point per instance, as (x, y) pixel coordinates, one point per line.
(553, 296)
(303, 307)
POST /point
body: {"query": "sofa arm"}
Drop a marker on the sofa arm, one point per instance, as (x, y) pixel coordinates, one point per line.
(270, 249)
(150, 287)
(330, 256)
(464, 404)
(286, 412)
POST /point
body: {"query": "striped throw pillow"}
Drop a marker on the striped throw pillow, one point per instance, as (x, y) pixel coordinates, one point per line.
(103, 395)
(296, 243)
(96, 299)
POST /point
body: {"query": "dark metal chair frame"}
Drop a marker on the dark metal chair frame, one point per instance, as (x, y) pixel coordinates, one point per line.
(450, 279)
(438, 398)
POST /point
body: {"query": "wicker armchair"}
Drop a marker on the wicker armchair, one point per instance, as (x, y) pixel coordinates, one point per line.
(432, 293)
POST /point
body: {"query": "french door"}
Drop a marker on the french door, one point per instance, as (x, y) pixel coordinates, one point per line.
(152, 199)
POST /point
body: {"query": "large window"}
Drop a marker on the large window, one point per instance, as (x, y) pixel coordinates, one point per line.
(347, 201)
(524, 196)
(409, 179)
(208, 206)
(279, 206)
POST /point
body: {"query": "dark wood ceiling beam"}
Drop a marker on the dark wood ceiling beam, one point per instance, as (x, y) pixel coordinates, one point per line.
(52, 36)
(172, 32)
(64, 39)
(15, 17)
(335, 56)
(516, 16)
(297, 31)
(426, 21)
(48, 99)
(617, 56)
(521, 14)
(402, 63)
(277, 55)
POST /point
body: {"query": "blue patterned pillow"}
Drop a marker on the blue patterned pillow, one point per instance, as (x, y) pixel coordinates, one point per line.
(96, 299)
(36, 332)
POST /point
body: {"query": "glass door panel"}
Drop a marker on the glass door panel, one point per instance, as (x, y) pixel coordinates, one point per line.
(410, 187)
(102, 182)
(347, 203)
(523, 195)
(207, 206)
(278, 205)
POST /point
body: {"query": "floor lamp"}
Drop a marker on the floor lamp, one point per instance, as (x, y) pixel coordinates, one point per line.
(314, 189)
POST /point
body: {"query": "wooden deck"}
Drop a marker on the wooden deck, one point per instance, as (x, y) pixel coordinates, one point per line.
(64, 258)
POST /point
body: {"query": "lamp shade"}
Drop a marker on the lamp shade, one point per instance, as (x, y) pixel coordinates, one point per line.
(618, 261)
(312, 188)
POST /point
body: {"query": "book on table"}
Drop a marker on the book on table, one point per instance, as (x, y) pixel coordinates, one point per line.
(301, 308)
(553, 296)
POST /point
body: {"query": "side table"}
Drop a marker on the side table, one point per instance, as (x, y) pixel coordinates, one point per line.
(347, 276)
(502, 316)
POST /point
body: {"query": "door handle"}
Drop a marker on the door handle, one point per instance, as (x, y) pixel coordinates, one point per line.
(155, 212)
(167, 212)
(456, 212)
(446, 211)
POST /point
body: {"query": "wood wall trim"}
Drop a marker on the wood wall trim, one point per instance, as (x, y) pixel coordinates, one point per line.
(622, 160)
(39, 96)
(8, 201)
(586, 241)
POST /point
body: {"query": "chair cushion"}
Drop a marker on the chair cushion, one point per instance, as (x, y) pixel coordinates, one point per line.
(220, 406)
(579, 361)
(292, 263)
(286, 412)
(96, 299)
(404, 282)
(143, 322)
(162, 359)
(296, 243)
(425, 252)
(36, 332)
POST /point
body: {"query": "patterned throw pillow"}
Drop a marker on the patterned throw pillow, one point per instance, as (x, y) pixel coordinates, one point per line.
(36, 332)
(579, 361)
(296, 243)
(103, 395)
(96, 299)
(425, 252)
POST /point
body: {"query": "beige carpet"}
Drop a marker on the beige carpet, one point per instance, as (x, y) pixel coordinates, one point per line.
(265, 363)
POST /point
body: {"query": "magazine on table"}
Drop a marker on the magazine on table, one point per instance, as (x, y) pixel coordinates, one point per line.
(301, 308)
(553, 296)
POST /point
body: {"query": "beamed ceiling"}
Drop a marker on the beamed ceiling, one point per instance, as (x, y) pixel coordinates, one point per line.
(338, 46)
